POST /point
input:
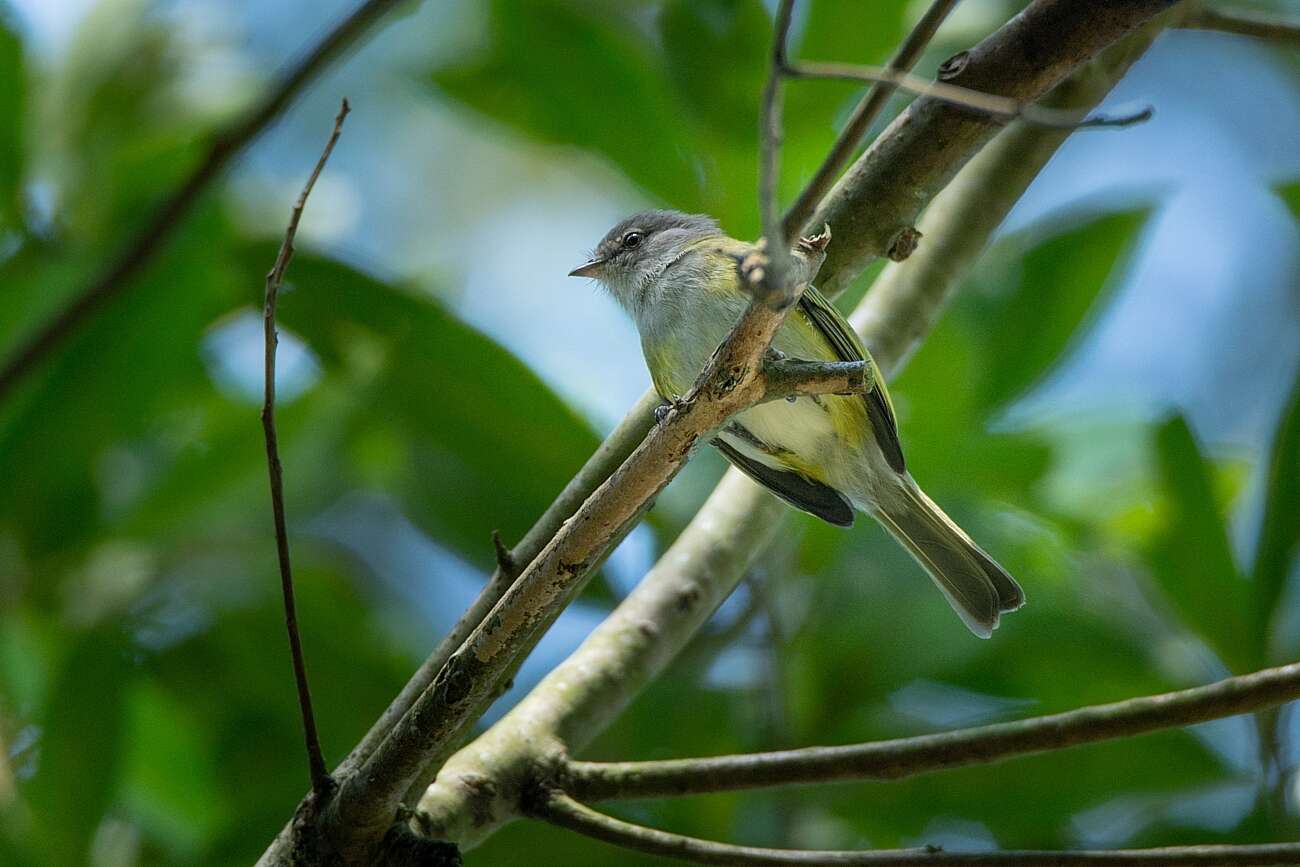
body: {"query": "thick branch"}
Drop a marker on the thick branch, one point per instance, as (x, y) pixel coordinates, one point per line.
(906, 757)
(879, 197)
(561, 810)
(367, 802)
(321, 782)
(864, 115)
(142, 247)
(1244, 22)
(593, 686)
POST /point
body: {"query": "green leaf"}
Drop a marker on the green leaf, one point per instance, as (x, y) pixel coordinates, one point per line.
(13, 86)
(1190, 555)
(1042, 303)
(76, 777)
(466, 435)
(1279, 531)
(1290, 194)
(579, 74)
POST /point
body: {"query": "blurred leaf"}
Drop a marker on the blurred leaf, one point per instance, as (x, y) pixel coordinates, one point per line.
(132, 374)
(579, 74)
(1279, 530)
(80, 748)
(1061, 281)
(715, 53)
(13, 86)
(470, 438)
(1290, 194)
(1190, 555)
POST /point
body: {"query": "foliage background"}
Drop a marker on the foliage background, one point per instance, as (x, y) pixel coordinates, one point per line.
(1112, 406)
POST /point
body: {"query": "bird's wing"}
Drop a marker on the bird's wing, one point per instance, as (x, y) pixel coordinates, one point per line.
(848, 346)
(795, 488)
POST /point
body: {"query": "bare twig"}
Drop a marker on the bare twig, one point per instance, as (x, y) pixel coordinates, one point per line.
(145, 244)
(865, 114)
(562, 810)
(769, 140)
(1244, 22)
(1000, 108)
(321, 782)
(905, 757)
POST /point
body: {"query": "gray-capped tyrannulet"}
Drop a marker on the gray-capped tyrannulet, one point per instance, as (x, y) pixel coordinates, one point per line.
(676, 275)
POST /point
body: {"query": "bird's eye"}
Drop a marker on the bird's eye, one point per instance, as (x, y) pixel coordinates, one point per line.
(631, 239)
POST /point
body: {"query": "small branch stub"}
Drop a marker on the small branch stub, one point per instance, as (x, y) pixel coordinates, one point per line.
(903, 244)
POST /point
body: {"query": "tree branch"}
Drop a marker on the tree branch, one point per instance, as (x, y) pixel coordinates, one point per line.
(167, 217)
(999, 108)
(561, 810)
(367, 802)
(770, 151)
(321, 781)
(864, 115)
(1244, 22)
(789, 378)
(480, 786)
(880, 195)
(906, 757)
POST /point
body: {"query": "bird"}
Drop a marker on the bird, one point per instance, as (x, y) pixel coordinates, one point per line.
(677, 277)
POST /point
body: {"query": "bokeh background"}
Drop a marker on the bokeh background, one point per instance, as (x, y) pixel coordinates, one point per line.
(1111, 406)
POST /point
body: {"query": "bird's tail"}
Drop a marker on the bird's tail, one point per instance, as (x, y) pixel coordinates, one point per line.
(977, 588)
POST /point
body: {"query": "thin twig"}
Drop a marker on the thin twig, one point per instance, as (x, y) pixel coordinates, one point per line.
(321, 781)
(171, 212)
(905, 757)
(864, 115)
(1001, 108)
(561, 810)
(1245, 23)
(769, 141)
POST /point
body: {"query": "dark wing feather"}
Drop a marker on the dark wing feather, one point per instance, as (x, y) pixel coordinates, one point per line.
(799, 491)
(848, 346)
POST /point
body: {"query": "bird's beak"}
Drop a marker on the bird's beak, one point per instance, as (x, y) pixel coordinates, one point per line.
(588, 269)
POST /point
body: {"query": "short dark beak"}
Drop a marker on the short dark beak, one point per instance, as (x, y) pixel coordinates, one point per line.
(588, 269)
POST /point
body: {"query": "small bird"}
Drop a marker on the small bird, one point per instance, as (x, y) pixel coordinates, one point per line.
(676, 275)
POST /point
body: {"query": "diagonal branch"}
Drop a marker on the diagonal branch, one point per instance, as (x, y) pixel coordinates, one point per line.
(732, 381)
(321, 782)
(147, 243)
(1244, 22)
(906, 757)
(561, 810)
(864, 115)
(769, 140)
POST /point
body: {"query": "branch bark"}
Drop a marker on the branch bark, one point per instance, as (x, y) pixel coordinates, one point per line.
(906, 757)
(563, 811)
(321, 781)
(145, 245)
(482, 785)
